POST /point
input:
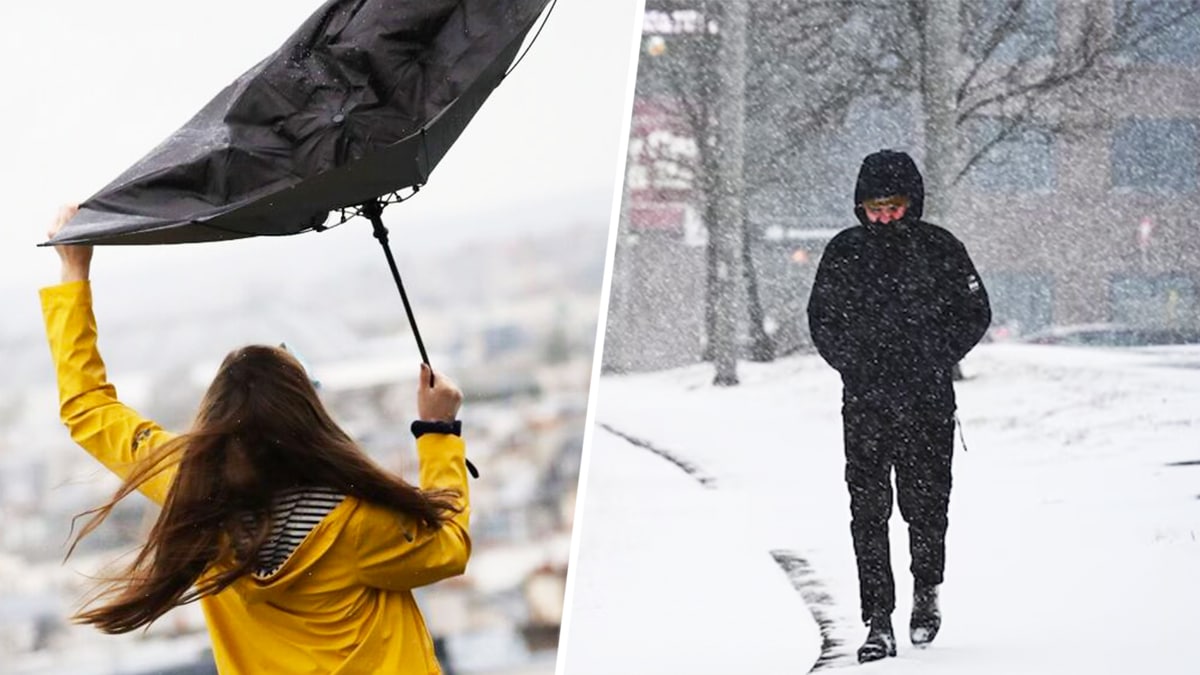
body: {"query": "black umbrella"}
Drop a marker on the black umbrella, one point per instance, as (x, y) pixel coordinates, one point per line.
(361, 103)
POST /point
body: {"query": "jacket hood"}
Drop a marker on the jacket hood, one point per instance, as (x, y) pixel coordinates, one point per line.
(316, 543)
(887, 173)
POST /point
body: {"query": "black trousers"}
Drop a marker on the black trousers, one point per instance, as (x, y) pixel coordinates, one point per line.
(918, 442)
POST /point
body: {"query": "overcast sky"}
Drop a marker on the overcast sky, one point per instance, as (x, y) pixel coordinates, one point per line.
(91, 87)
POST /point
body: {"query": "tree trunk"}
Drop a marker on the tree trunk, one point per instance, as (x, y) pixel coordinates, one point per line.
(730, 119)
(938, 81)
(712, 294)
(762, 347)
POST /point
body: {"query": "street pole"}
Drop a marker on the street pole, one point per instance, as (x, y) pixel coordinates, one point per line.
(730, 183)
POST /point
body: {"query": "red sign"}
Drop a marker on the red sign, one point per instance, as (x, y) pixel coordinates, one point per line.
(663, 161)
(1145, 229)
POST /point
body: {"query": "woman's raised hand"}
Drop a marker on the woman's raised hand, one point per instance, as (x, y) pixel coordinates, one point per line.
(440, 402)
(76, 258)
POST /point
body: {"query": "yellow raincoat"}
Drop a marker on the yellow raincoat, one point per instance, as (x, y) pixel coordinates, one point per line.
(342, 603)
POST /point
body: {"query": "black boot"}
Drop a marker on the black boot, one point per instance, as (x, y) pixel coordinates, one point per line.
(926, 617)
(881, 641)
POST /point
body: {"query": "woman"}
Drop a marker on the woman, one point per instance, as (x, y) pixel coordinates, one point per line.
(301, 551)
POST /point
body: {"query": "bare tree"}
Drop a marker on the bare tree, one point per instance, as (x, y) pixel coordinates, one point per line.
(983, 71)
(692, 74)
(728, 232)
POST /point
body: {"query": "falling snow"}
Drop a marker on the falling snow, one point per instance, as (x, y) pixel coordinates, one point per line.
(1074, 523)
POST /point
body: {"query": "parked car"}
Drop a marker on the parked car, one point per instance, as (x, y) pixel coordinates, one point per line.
(1113, 335)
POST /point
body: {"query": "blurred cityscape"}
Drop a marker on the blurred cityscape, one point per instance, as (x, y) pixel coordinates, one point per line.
(512, 320)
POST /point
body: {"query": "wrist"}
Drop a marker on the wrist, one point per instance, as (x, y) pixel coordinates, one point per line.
(75, 273)
(421, 427)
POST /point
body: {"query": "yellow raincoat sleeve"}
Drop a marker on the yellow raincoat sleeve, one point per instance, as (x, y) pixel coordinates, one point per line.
(111, 431)
(386, 558)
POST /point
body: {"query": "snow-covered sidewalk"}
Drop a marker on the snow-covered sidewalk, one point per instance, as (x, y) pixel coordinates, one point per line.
(1073, 544)
(679, 584)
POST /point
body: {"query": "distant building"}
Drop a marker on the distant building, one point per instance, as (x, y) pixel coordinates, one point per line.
(1098, 225)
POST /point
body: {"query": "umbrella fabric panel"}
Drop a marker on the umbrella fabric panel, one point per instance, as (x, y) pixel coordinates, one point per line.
(343, 112)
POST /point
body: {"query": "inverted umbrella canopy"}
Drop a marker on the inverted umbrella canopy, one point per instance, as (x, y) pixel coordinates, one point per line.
(362, 101)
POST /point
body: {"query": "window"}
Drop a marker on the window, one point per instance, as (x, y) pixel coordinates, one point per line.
(1021, 161)
(1160, 31)
(1154, 155)
(1025, 29)
(1022, 302)
(1154, 301)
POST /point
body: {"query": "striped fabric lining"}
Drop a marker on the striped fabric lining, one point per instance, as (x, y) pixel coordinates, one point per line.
(294, 513)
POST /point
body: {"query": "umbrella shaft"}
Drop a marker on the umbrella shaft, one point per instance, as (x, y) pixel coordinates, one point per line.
(374, 212)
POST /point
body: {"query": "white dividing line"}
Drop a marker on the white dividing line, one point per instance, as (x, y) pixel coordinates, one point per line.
(639, 7)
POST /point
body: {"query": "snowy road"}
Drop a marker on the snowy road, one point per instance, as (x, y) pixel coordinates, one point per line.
(1074, 542)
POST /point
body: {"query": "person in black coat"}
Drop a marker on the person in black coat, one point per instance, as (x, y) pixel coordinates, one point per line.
(895, 305)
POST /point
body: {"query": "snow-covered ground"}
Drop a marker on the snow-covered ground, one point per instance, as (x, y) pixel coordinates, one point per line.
(1074, 543)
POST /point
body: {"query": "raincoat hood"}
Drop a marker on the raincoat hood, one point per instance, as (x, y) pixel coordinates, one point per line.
(888, 173)
(308, 557)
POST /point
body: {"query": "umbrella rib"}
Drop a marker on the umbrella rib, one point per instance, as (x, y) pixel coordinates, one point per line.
(532, 40)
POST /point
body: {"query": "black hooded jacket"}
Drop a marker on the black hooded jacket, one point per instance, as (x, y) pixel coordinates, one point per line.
(896, 305)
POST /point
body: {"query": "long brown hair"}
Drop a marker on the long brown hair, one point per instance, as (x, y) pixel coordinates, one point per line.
(260, 429)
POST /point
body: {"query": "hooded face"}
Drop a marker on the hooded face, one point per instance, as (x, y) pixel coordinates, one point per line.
(886, 210)
(888, 178)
